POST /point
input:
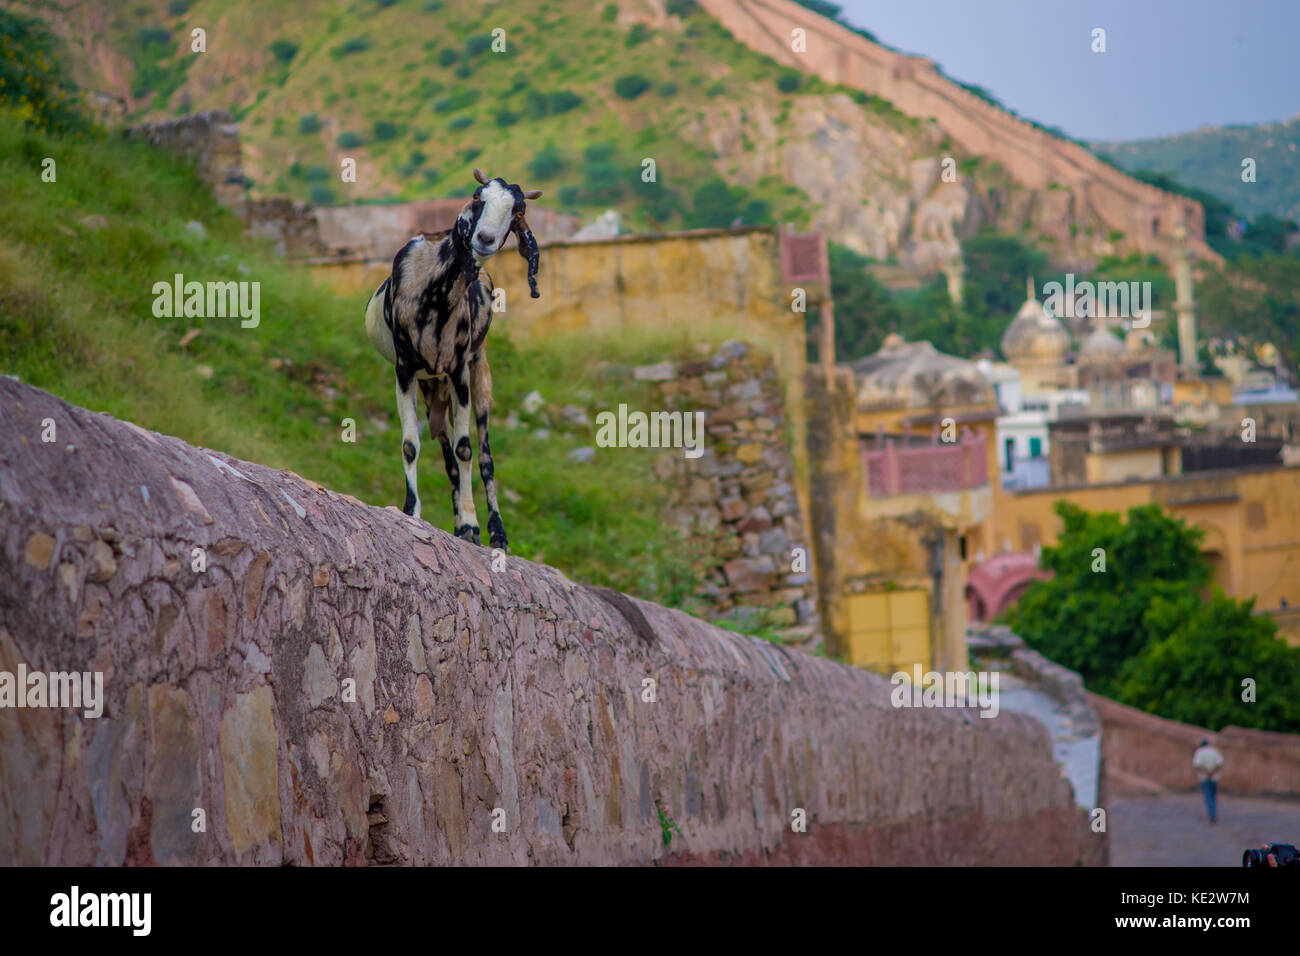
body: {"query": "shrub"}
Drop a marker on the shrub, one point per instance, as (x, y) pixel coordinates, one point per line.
(477, 44)
(348, 47)
(284, 50)
(461, 99)
(321, 195)
(316, 174)
(610, 12)
(348, 140)
(680, 8)
(668, 89)
(789, 80)
(32, 77)
(637, 35)
(383, 131)
(447, 56)
(631, 85)
(178, 8)
(561, 101)
(417, 159)
(506, 118)
(546, 164)
(462, 122)
(309, 123)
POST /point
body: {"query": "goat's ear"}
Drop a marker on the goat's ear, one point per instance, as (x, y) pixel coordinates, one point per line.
(528, 250)
(481, 176)
(533, 194)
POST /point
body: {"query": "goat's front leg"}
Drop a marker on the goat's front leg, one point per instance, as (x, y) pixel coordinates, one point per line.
(410, 441)
(457, 432)
(481, 391)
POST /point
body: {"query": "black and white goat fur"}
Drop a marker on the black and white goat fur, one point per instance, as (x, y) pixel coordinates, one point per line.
(430, 319)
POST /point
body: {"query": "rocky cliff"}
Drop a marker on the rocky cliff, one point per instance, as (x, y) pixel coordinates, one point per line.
(291, 676)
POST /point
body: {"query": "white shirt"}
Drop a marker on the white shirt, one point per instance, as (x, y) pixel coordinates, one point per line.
(1207, 760)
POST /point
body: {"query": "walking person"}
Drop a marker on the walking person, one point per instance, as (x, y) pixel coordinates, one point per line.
(1207, 760)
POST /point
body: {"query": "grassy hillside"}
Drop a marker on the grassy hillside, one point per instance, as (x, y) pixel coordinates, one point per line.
(574, 97)
(1210, 159)
(78, 261)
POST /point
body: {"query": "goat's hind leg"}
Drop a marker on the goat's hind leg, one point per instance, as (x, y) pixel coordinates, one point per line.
(481, 389)
(410, 442)
(436, 403)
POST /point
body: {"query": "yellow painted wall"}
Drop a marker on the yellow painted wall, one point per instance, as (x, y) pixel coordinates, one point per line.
(1103, 467)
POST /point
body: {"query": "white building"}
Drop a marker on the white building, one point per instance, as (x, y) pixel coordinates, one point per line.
(1022, 429)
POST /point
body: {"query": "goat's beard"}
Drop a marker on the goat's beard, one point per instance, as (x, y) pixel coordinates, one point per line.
(528, 249)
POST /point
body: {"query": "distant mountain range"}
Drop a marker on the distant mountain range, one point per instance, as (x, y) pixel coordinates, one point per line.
(1211, 159)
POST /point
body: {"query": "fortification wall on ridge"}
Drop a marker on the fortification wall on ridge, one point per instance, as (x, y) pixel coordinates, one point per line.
(1146, 215)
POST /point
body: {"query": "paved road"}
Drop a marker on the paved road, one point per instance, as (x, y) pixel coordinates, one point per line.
(1172, 829)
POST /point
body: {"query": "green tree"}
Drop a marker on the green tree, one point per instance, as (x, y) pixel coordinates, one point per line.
(996, 269)
(864, 311)
(1094, 621)
(1194, 674)
(1257, 297)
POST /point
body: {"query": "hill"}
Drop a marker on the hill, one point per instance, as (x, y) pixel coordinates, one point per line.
(583, 101)
(1211, 158)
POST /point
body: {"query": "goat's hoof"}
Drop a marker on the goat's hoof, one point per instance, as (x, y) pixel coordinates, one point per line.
(499, 541)
(469, 532)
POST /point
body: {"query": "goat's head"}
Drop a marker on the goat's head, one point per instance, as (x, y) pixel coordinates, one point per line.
(497, 210)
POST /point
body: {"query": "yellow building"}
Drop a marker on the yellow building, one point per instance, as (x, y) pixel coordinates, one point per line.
(903, 468)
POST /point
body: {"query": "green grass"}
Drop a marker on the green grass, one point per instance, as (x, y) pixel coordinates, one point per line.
(76, 319)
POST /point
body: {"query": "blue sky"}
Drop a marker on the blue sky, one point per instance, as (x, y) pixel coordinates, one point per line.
(1171, 65)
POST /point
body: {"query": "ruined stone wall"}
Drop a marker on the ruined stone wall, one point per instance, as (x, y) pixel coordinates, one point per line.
(228, 691)
(211, 140)
(1036, 159)
(738, 499)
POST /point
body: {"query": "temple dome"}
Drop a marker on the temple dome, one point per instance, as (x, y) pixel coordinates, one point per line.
(1100, 346)
(1034, 337)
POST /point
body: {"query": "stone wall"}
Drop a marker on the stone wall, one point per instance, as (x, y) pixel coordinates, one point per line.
(346, 685)
(1145, 747)
(211, 140)
(738, 498)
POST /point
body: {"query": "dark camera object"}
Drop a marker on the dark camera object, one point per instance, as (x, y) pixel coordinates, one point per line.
(1284, 853)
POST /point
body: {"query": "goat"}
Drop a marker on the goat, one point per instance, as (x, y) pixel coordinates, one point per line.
(430, 320)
